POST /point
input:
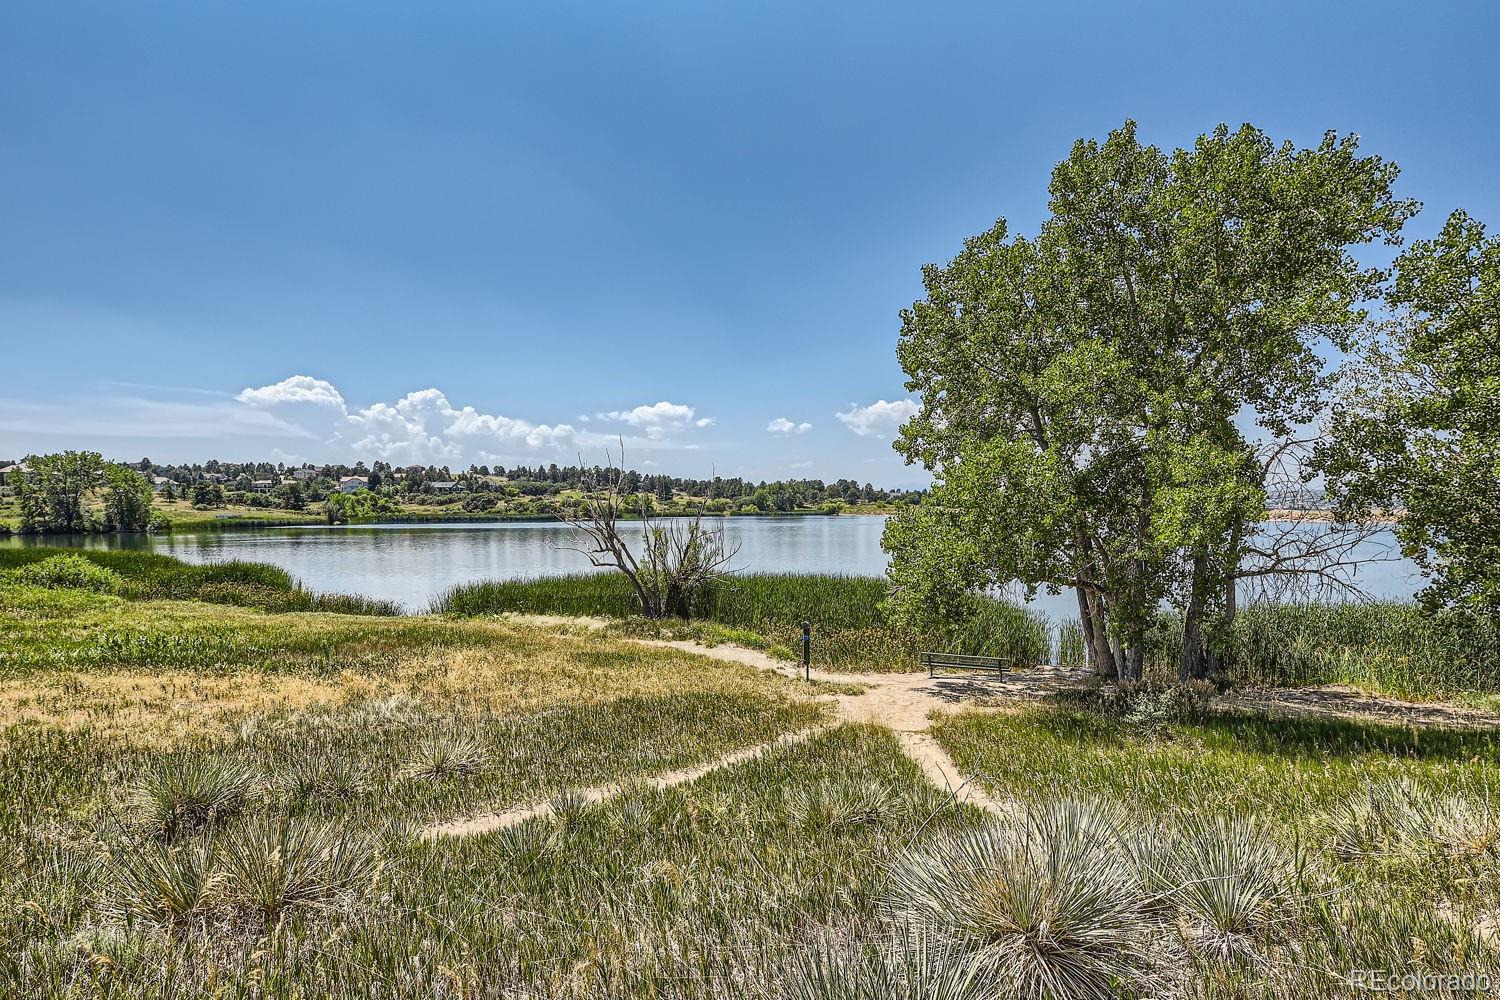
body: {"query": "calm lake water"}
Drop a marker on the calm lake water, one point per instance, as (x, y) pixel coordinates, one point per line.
(410, 563)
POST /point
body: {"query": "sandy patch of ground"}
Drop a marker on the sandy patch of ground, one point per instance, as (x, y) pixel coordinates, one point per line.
(1338, 701)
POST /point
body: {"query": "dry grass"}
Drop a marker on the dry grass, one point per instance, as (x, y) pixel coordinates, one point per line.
(152, 674)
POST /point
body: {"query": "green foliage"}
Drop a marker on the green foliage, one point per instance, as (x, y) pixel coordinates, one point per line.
(152, 576)
(77, 491)
(1419, 430)
(1046, 905)
(851, 628)
(71, 571)
(206, 495)
(127, 499)
(273, 864)
(344, 508)
(181, 794)
(1079, 390)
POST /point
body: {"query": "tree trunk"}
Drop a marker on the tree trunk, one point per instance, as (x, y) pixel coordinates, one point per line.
(1101, 649)
(1193, 663)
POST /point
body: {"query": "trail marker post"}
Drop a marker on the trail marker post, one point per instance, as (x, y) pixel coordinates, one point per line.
(807, 651)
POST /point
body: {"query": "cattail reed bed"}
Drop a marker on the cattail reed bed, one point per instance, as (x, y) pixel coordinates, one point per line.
(850, 630)
(1387, 647)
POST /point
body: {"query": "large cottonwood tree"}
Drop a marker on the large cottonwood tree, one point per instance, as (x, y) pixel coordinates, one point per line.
(1089, 396)
(1419, 428)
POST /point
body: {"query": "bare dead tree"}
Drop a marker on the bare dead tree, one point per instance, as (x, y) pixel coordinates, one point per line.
(1304, 554)
(677, 557)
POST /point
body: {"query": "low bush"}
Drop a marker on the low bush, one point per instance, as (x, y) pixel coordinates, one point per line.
(184, 792)
(72, 572)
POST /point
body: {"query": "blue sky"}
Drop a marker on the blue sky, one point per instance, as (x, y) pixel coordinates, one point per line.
(691, 225)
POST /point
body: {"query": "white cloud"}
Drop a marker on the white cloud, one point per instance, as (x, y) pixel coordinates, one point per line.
(425, 428)
(658, 420)
(783, 426)
(800, 465)
(879, 417)
(297, 389)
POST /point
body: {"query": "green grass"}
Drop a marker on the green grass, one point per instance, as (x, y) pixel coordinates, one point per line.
(1407, 908)
(849, 629)
(152, 576)
(1282, 768)
(1387, 647)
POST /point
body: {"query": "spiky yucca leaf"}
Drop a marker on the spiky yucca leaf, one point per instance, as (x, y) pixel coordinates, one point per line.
(273, 864)
(165, 883)
(185, 792)
(1048, 904)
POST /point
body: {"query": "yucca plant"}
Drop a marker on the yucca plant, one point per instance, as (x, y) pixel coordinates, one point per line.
(165, 883)
(525, 846)
(1232, 881)
(185, 792)
(446, 755)
(1047, 904)
(1385, 819)
(829, 806)
(319, 779)
(914, 964)
(272, 864)
(568, 808)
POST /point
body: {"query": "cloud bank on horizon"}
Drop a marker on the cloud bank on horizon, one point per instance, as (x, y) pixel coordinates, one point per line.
(303, 418)
(425, 428)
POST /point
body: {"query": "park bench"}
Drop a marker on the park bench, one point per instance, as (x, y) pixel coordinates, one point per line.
(957, 666)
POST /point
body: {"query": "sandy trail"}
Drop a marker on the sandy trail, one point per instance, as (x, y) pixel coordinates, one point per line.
(486, 822)
(906, 703)
(903, 703)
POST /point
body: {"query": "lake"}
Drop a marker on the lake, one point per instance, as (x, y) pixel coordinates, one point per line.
(410, 563)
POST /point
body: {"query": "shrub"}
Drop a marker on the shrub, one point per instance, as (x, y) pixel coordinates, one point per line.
(445, 755)
(1047, 904)
(1385, 819)
(272, 864)
(319, 779)
(1232, 882)
(165, 883)
(1147, 704)
(913, 965)
(73, 572)
(185, 792)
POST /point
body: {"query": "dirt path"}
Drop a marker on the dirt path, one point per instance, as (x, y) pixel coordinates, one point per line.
(486, 822)
(903, 703)
(906, 702)
(1340, 702)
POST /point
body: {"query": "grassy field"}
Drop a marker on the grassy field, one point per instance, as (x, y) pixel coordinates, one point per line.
(1329, 845)
(850, 632)
(199, 799)
(151, 576)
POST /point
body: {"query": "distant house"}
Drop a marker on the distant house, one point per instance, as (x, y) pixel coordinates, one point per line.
(214, 477)
(446, 487)
(303, 475)
(262, 485)
(161, 484)
(352, 484)
(10, 475)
